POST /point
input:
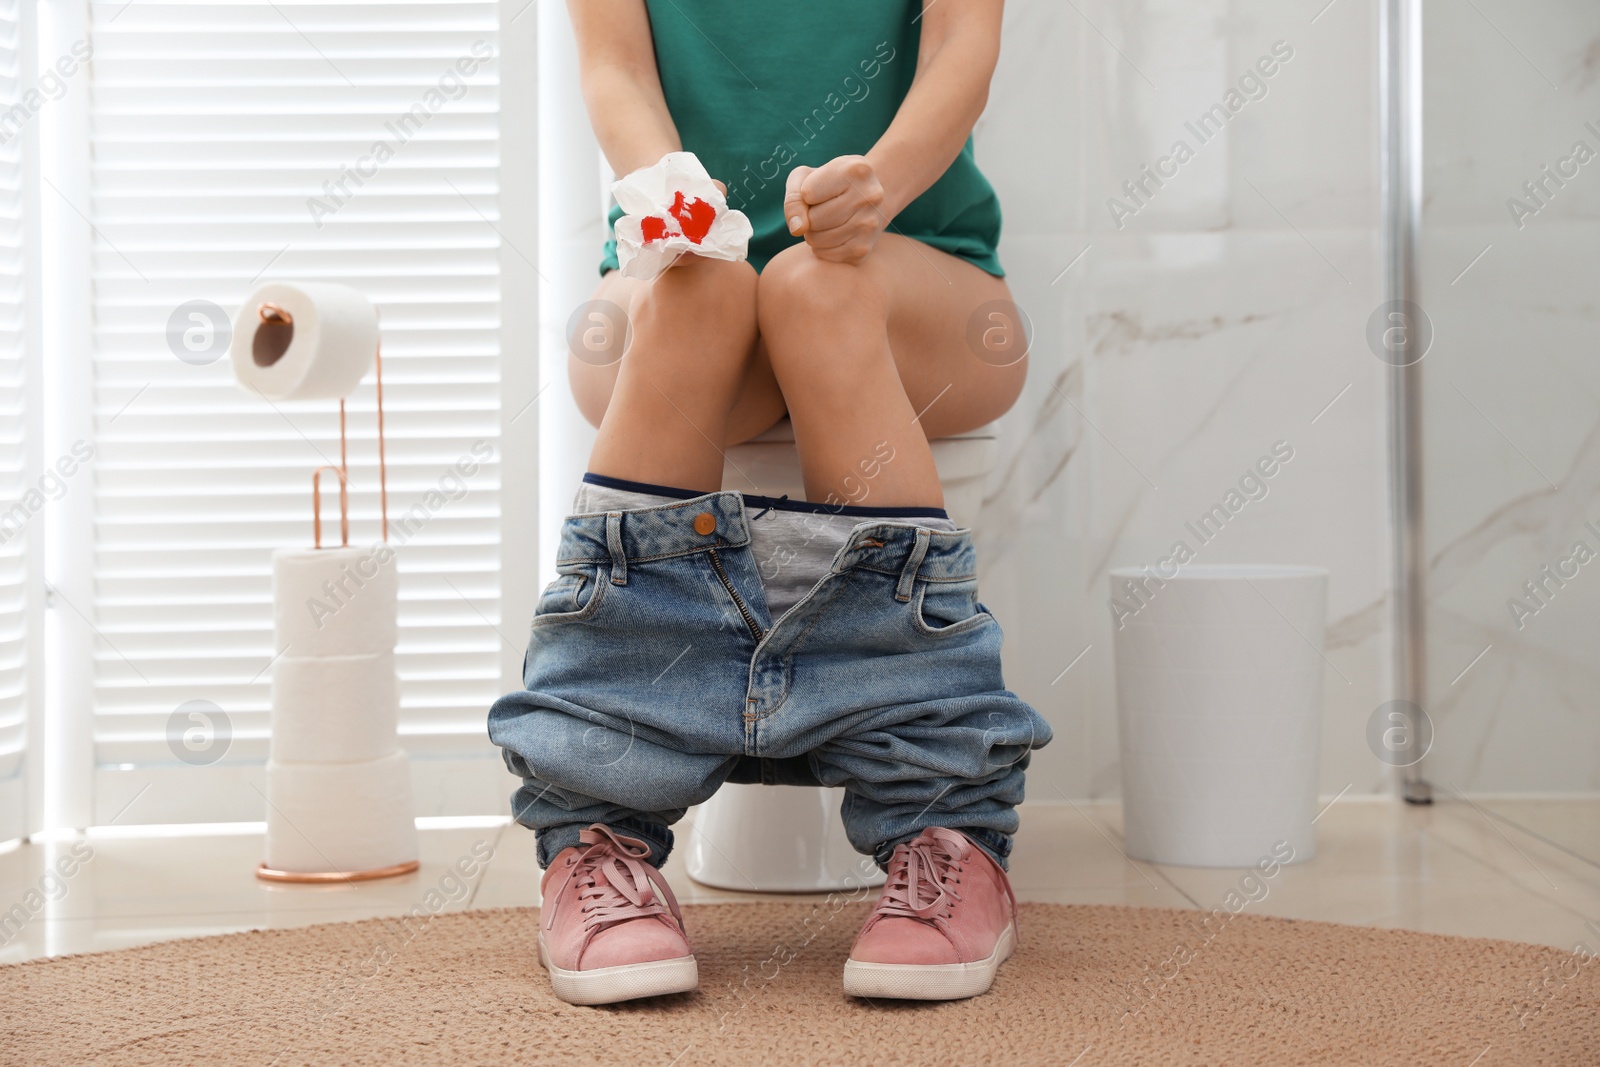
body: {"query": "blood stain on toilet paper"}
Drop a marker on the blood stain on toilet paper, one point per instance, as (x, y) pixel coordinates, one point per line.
(654, 228)
(674, 208)
(693, 216)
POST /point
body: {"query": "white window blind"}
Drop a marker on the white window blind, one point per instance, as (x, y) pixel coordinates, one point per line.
(238, 143)
(18, 510)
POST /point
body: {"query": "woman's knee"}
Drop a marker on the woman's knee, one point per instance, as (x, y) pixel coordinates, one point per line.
(667, 324)
(698, 297)
(800, 291)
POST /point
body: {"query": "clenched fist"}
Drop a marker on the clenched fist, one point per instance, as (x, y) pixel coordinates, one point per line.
(836, 207)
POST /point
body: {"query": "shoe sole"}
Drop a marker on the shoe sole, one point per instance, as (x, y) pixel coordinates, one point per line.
(629, 981)
(938, 981)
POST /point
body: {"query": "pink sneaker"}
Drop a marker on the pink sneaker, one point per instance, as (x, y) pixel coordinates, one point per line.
(944, 924)
(610, 928)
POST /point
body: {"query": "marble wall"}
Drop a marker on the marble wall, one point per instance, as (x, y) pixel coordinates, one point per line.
(1181, 334)
(1512, 408)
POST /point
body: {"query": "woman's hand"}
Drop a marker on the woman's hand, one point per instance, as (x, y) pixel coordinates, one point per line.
(837, 208)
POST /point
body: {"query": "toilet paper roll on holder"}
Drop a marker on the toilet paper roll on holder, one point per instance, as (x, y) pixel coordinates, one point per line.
(279, 320)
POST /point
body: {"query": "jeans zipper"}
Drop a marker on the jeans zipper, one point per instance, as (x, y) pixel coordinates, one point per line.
(749, 620)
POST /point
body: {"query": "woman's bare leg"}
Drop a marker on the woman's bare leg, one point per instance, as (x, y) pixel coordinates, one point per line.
(666, 409)
(887, 351)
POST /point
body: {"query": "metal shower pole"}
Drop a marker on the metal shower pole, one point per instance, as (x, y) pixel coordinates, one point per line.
(1400, 78)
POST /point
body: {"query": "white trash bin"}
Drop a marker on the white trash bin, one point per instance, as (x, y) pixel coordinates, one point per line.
(1219, 697)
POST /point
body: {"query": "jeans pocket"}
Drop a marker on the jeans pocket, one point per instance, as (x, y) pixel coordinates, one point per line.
(575, 594)
(943, 609)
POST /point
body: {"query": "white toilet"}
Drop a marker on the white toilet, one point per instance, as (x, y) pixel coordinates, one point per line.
(787, 838)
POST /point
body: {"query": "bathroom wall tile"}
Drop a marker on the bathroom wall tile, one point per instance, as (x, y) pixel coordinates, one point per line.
(1304, 133)
(1223, 316)
(1511, 419)
(1145, 70)
(1311, 144)
(1172, 366)
(1027, 141)
(1509, 88)
(1511, 410)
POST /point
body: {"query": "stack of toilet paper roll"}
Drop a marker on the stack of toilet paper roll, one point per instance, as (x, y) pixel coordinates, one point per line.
(338, 786)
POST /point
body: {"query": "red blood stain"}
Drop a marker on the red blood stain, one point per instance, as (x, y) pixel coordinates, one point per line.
(693, 217)
(654, 228)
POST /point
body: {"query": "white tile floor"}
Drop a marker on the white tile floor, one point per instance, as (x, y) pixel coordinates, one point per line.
(1524, 870)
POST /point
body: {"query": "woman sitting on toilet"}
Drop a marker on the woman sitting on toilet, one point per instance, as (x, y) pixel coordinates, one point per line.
(696, 636)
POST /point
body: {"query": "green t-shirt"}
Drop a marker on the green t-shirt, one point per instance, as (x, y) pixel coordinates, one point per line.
(758, 87)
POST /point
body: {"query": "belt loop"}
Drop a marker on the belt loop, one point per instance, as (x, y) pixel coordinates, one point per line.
(619, 558)
(908, 574)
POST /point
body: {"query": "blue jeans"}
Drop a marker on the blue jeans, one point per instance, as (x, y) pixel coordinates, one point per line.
(654, 674)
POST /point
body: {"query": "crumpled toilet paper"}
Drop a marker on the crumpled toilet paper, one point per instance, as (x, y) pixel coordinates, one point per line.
(672, 208)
